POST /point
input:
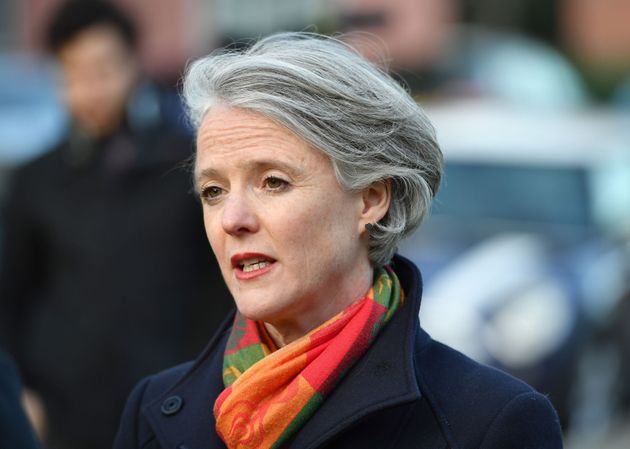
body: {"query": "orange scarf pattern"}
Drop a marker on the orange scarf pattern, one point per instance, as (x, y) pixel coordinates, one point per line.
(270, 393)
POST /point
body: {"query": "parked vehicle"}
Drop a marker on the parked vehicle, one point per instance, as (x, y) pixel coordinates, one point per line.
(522, 259)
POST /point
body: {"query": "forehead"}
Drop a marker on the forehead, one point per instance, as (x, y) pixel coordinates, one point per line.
(226, 125)
(98, 43)
(234, 135)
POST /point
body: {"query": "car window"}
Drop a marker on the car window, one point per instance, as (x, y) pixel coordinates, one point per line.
(538, 194)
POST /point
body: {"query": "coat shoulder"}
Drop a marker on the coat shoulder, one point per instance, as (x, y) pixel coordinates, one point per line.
(36, 172)
(482, 407)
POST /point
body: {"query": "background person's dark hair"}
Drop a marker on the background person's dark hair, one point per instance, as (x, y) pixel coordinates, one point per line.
(76, 16)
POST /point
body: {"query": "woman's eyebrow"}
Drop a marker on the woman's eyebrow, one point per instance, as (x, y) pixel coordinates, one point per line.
(264, 164)
(205, 173)
(292, 168)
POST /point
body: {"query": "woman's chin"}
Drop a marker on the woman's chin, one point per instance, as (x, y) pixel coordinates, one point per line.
(257, 311)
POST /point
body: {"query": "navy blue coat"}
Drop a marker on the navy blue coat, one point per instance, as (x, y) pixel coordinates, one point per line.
(15, 429)
(408, 391)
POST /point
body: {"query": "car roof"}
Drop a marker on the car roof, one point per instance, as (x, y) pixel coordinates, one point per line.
(486, 131)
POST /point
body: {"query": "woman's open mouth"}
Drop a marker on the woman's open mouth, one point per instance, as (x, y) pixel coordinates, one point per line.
(247, 267)
(250, 265)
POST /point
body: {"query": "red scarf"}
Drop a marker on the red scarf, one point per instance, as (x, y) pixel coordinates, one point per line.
(271, 392)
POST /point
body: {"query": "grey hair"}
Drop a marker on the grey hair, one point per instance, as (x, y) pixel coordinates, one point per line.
(331, 97)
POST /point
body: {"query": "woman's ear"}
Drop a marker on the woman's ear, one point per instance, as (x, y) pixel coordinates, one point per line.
(375, 202)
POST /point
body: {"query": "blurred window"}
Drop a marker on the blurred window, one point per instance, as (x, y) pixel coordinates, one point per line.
(541, 195)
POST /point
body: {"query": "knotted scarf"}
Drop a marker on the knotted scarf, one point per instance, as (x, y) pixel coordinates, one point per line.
(270, 393)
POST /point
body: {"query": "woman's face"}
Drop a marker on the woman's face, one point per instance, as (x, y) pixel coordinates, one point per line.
(290, 242)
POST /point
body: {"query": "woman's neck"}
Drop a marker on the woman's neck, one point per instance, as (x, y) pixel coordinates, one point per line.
(351, 289)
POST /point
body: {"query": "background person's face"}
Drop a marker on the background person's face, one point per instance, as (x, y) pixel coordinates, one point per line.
(597, 32)
(99, 72)
(413, 33)
(286, 236)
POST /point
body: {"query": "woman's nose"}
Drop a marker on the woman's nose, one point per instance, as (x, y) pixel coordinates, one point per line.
(239, 216)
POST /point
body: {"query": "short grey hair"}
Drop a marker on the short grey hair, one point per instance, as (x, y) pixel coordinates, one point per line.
(331, 97)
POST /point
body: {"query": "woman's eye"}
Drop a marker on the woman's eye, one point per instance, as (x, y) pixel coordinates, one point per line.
(275, 183)
(211, 192)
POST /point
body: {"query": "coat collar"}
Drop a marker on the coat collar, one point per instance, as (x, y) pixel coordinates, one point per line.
(384, 377)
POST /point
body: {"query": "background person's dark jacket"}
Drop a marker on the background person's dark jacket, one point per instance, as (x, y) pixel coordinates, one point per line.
(15, 430)
(408, 391)
(106, 276)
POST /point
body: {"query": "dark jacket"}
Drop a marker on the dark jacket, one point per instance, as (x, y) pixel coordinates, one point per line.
(408, 391)
(15, 430)
(106, 276)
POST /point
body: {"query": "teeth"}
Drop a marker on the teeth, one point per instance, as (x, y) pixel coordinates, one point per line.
(255, 266)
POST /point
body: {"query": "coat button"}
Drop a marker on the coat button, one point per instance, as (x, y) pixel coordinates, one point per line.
(172, 405)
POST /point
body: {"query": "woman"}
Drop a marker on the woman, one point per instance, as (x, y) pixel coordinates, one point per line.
(312, 165)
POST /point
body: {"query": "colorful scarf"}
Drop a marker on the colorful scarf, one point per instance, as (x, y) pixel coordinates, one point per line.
(270, 393)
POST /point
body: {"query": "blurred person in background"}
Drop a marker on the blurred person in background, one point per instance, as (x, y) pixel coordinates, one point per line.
(104, 272)
(424, 43)
(596, 35)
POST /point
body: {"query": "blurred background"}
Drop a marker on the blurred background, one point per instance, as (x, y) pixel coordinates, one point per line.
(526, 254)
